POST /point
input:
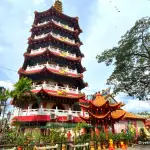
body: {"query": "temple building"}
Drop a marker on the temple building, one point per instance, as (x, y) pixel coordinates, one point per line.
(106, 112)
(53, 63)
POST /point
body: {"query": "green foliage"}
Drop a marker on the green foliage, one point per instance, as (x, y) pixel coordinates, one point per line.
(23, 86)
(131, 59)
(4, 95)
(82, 139)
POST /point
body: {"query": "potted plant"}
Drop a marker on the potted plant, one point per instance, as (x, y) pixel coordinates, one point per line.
(20, 141)
(115, 138)
(103, 139)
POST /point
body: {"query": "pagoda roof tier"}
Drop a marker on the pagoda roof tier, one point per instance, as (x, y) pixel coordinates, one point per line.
(49, 71)
(53, 12)
(133, 116)
(53, 24)
(101, 116)
(115, 115)
(48, 51)
(118, 105)
(53, 38)
(118, 114)
(99, 101)
(58, 93)
(77, 82)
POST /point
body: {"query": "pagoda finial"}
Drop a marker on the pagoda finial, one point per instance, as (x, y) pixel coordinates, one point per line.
(58, 5)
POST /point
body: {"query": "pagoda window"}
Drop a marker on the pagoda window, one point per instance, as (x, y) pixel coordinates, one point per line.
(35, 106)
(59, 84)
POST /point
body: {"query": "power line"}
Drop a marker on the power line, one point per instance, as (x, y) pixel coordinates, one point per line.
(8, 69)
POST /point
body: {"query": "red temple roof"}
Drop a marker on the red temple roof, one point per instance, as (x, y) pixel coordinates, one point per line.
(49, 37)
(53, 11)
(47, 51)
(53, 25)
(45, 69)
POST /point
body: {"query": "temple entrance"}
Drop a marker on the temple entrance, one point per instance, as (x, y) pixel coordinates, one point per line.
(59, 106)
(35, 106)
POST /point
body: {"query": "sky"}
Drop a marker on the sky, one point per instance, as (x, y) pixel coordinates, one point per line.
(102, 27)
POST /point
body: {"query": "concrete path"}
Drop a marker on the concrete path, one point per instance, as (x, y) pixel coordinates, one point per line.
(138, 147)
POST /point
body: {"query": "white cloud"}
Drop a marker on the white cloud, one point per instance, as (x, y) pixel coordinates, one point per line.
(37, 2)
(137, 106)
(7, 85)
(133, 105)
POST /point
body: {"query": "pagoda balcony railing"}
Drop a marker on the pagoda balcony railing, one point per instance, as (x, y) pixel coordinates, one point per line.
(62, 70)
(45, 111)
(62, 38)
(56, 50)
(58, 23)
(40, 24)
(55, 88)
(40, 36)
(63, 25)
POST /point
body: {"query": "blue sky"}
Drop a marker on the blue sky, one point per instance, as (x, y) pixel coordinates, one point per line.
(102, 28)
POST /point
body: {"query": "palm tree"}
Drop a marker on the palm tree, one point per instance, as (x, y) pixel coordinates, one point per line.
(21, 89)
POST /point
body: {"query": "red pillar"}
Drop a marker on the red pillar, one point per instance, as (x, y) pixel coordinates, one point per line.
(96, 131)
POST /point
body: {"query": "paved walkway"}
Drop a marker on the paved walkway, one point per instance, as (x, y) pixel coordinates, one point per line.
(138, 147)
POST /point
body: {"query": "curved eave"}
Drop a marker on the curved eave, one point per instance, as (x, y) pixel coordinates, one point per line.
(115, 105)
(52, 53)
(56, 94)
(99, 116)
(38, 71)
(84, 106)
(84, 118)
(101, 104)
(54, 25)
(132, 116)
(49, 38)
(53, 11)
(118, 114)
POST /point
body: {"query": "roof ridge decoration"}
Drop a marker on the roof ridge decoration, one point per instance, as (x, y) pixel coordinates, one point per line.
(58, 5)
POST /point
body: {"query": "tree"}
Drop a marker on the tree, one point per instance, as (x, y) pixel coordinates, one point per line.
(22, 90)
(131, 59)
(4, 96)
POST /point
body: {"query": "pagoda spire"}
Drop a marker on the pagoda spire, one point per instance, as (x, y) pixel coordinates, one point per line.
(58, 5)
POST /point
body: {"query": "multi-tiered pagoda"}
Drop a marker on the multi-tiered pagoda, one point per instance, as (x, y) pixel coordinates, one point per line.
(53, 62)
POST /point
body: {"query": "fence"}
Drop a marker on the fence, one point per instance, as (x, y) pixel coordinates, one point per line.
(67, 146)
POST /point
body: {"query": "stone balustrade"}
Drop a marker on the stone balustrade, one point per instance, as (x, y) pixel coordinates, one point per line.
(45, 111)
(56, 50)
(56, 36)
(56, 88)
(40, 36)
(54, 67)
(58, 23)
(62, 25)
(62, 38)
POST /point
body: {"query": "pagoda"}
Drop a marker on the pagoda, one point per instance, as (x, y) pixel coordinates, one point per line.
(102, 112)
(53, 63)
